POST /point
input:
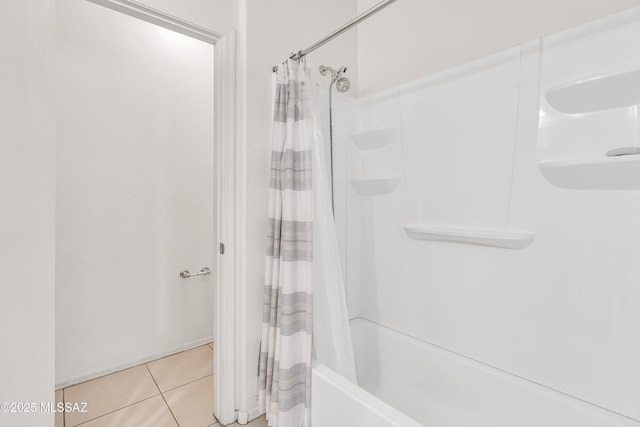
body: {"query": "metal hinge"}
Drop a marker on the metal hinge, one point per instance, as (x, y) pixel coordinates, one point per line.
(221, 248)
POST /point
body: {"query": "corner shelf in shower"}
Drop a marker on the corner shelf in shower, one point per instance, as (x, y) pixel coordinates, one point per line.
(374, 186)
(606, 173)
(483, 237)
(374, 138)
(596, 94)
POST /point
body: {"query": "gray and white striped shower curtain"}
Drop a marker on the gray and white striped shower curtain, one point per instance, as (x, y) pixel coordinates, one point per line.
(284, 378)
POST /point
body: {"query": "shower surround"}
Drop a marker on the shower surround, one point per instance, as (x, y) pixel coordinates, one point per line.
(491, 278)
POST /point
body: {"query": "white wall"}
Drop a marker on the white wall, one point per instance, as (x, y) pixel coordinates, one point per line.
(412, 38)
(217, 15)
(27, 195)
(135, 189)
(562, 312)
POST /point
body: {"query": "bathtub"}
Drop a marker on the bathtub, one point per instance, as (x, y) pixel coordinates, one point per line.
(338, 402)
(407, 382)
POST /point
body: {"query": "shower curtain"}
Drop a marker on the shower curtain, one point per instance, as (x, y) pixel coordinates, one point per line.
(284, 377)
(331, 331)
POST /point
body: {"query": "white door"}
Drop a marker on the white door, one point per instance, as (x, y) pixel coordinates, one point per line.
(135, 190)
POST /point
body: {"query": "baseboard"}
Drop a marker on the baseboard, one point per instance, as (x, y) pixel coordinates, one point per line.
(244, 417)
(66, 382)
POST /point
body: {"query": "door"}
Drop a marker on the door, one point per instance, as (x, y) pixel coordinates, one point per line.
(135, 190)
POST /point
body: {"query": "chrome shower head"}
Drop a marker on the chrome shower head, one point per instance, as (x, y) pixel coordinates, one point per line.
(343, 84)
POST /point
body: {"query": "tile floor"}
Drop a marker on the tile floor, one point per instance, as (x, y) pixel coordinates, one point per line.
(175, 391)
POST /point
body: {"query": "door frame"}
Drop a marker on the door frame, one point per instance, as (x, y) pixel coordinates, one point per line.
(227, 187)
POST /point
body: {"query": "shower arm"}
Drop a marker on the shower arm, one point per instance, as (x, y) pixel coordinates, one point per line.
(355, 21)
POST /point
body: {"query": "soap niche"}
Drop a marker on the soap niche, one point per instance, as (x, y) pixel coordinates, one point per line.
(380, 161)
(591, 133)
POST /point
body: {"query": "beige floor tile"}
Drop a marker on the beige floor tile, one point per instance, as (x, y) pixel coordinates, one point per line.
(59, 415)
(181, 368)
(152, 412)
(109, 393)
(192, 404)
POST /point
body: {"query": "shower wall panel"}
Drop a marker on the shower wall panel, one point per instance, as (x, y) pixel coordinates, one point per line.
(563, 312)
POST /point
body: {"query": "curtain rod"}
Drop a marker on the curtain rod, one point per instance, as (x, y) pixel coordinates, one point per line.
(355, 21)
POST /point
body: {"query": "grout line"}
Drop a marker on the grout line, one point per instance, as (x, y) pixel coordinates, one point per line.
(136, 366)
(163, 398)
(187, 383)
(160, 392)
(173, 354)
(152, 377)
(121, 367)
(64, 414)
(116, 410)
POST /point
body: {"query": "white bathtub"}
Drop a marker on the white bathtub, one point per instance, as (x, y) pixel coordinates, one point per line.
(338, 402)
(409, 383)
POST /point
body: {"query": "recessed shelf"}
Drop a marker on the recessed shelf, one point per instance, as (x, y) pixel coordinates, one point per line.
(373, 186)
(483, 237)
(596, 94)
(606, 173)
(374, 138)
(624, 151)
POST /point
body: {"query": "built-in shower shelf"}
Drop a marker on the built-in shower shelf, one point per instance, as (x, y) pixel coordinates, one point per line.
(596, 94)
(374, 138)
(484, 237)
(373, 186)
(606, 173)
